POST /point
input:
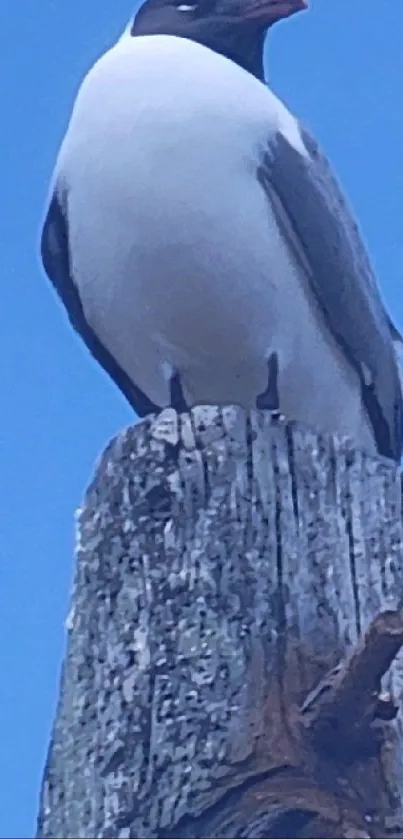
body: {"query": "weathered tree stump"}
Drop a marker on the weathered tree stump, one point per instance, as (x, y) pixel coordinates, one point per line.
(234, 620)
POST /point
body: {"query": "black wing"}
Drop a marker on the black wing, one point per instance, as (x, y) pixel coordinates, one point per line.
(55, 259)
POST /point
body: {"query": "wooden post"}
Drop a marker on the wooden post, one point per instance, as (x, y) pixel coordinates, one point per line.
(234, 617)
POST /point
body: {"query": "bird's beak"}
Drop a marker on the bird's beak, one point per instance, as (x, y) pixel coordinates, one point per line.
(269, 11)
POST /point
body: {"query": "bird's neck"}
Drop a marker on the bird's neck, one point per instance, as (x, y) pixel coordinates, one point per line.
(242, 45)
(247, 51)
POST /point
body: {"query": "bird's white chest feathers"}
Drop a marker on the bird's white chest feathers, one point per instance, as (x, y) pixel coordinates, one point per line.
(174, 246)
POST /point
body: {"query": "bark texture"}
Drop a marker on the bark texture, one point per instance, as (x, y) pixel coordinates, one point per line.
(217, 681)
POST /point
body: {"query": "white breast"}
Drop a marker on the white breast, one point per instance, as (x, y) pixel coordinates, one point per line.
(175, 248)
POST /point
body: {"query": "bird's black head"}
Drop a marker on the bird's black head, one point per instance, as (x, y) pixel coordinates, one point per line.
(234, 28)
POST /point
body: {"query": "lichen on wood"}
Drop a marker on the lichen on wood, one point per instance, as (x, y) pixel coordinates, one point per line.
(226, 564)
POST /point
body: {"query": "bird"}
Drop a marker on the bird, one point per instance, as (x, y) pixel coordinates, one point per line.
(200, 242)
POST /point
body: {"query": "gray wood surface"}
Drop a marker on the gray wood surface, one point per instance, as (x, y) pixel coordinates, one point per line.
(208, 547)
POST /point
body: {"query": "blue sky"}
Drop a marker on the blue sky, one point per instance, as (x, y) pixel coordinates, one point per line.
(340, 68)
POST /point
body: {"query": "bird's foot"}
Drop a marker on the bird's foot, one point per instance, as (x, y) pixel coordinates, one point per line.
(277, 416)
(269, 399)
(177, 399)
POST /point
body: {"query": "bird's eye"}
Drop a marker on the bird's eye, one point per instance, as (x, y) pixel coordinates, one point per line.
(187, 7)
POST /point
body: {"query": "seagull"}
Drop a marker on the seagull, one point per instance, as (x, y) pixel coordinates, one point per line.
(200, 242)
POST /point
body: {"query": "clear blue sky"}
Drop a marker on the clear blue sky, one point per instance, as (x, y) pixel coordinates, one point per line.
(340, 67)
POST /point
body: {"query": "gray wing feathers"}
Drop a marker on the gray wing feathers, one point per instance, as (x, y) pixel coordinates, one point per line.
(309, 201)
